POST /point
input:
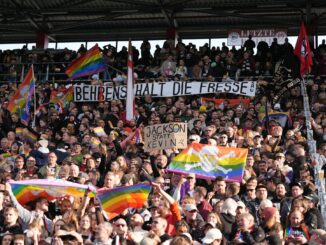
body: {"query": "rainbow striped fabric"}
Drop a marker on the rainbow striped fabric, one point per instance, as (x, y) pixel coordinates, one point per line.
(18, 102)
(99, 131)
(115, 201)
(137, 138)
(95, 142)
(27, 191)
(208, 162)
(19, 132)
(30, 136)
(89, 63)
(283, 118)
(62, 97)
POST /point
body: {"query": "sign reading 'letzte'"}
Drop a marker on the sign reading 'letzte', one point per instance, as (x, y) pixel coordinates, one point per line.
(174, 88)
(165, 136)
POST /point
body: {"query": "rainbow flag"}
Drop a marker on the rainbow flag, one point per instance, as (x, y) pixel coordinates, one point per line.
(95, 142)
(41, 110)
(17, 104)
(26, 114)
(89, 63)
(137, 137)
(283, 118)
(115, 201)
(27, 191)
(290, 232)
(62, 97)
(19, 132)
(208, 162)
(99, 131)
(30, 136)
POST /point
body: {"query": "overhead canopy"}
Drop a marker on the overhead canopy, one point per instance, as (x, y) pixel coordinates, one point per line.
(108, 20)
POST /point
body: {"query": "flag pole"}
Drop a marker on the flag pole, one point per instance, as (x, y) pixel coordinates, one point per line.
(130, 85)
(34, 115)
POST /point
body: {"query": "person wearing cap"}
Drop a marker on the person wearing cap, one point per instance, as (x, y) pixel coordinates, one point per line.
(286, 203)
(241, 209)
(227, 216)
(194, 220)
(213, 237)
(312, 209)
(194, 138)
(261, 195)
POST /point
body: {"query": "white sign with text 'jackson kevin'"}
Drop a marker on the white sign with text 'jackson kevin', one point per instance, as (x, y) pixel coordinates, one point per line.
(85, 92)
(165, 136)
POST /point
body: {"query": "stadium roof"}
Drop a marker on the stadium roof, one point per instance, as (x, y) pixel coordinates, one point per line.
(101, 20)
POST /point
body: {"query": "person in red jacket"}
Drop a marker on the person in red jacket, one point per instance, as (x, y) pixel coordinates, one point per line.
(171, 214)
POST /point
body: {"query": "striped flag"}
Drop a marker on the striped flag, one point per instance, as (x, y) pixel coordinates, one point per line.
(115, 201)
(20, 102)
(89, 63)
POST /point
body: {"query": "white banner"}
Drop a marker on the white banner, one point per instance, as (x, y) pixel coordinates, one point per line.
(237, 37)
(165, 136)
(85, 92)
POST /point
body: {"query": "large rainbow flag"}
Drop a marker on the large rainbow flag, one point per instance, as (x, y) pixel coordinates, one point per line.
(18, 102)
(89, 63)
(115, 201)
(208, 162)
(27, 191)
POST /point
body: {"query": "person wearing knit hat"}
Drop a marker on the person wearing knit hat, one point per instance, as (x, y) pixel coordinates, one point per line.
(271, 224)
(269, 213)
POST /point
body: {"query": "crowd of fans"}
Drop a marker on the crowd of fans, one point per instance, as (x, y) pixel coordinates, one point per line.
(276, 202)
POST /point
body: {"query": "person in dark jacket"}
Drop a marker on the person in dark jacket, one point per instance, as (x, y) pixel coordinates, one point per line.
(227, 216)
(247, 232)
(312, 203)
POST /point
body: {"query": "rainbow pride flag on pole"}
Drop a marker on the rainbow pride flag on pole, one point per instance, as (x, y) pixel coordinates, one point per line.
(115, 201)
(18, 102)
(208, 162)
(27, 191)
(89, 63)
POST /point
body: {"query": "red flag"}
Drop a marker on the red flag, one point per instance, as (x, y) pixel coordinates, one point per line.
(302, 50)
(130, 86)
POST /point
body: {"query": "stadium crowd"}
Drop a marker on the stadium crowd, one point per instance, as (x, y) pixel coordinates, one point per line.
(276, 202)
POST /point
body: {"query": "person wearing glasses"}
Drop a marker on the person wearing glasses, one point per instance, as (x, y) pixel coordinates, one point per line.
(120, 228)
